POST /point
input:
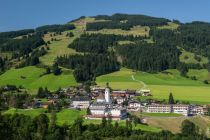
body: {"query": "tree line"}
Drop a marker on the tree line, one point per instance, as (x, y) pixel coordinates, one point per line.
(22, 127)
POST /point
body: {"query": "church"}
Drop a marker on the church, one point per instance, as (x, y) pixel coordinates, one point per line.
(104, 107)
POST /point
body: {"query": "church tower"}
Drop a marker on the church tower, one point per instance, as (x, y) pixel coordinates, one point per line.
(107, 94)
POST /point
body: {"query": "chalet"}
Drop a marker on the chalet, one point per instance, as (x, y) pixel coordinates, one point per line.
(80, 102)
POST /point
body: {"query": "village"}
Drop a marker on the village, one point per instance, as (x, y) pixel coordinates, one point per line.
(103, 102)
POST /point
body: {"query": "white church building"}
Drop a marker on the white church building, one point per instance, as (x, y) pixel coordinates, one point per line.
(103, 107)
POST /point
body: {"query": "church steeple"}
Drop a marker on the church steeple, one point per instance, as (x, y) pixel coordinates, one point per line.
(107, 93)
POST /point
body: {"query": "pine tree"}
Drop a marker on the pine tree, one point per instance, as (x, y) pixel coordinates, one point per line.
(171, 99)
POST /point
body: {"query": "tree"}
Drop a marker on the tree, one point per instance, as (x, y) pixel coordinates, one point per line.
(206, 82)
(48, 71)
(56, 70)
(53, 119)
(171, 99)
(42, 122)
(189, 128)
(104, 122)
(88, 111)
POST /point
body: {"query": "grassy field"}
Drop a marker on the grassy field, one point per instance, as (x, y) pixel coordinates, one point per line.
(170, 26)
(160, 84)
(67, 116)
(58, 48)
(188, 57)
(29, 78)
(136, 31)
(174, 124)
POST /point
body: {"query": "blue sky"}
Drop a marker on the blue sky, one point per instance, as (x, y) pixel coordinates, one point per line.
(20, 14)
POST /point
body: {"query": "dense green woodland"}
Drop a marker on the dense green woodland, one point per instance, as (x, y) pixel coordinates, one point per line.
(87, 67)
(99, 43)
(149, 57)
(124, 21)
(21, 127)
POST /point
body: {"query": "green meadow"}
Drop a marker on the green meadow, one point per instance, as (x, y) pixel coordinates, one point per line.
(31, 78)
(188, 57)
(161, 84)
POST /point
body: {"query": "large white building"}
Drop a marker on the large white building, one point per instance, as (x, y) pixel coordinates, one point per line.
(80, 102)
(161, 108)
(104, 107)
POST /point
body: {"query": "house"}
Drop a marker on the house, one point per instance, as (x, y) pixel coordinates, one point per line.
(123, 93)
(46, 104)
(196, 110)
(145, 92)
(120, 100)
(181, 109)
(80, 102)
(159, 108)
(134, 105)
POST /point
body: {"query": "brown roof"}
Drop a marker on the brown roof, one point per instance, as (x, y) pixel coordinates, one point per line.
(101, 96)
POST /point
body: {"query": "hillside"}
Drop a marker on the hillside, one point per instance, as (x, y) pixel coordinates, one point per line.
(168, 56)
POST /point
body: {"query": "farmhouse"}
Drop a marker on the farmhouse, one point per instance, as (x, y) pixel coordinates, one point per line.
(80, 102)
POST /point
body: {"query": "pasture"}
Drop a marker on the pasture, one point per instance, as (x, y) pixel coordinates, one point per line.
(32, 78)
(160, 84)
(170, 26)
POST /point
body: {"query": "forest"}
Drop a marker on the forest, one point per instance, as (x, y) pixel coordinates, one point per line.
(125, 22)
(99, 43)
(87, 67)
(149, 57)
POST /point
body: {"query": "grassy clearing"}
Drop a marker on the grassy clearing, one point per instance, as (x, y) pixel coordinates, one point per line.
(174, 124)
(58, 48)
(29, 112)
(188, 57)
(160, 84)
(170, 26)
(6, 54)
(136, 31)
(200, 75)
(125, 42)
(29, 78)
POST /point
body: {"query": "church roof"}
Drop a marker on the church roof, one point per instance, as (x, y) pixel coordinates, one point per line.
(101, 96)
